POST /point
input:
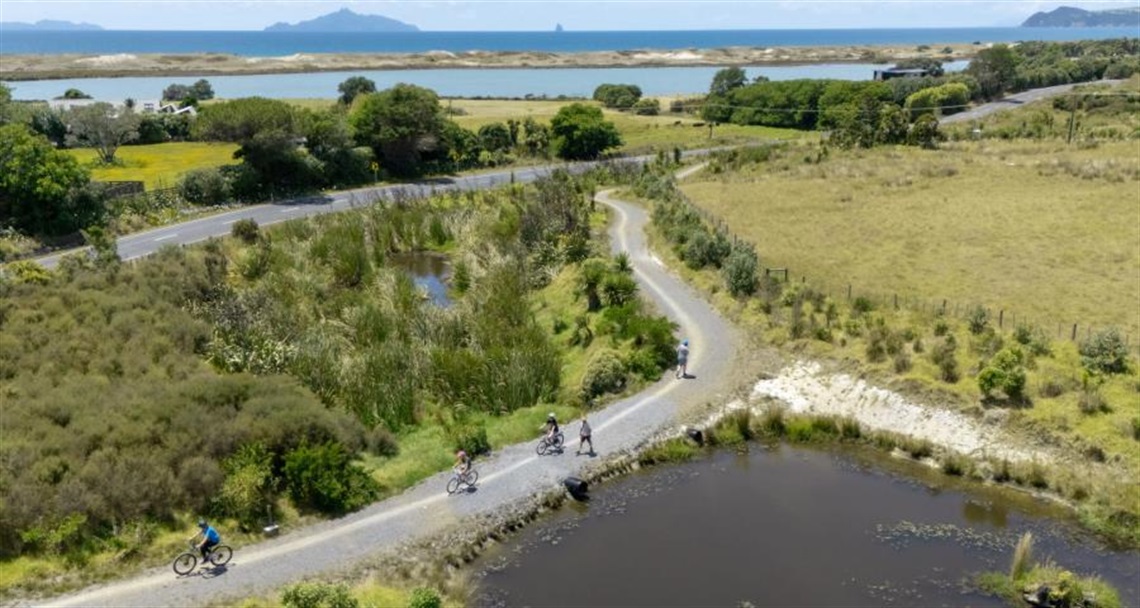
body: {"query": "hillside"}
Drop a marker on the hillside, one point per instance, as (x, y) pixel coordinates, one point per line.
(1067, 16)
(345, 20)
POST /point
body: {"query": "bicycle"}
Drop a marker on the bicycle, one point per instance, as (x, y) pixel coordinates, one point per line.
(466, 479)
(219, 555)
(548, 445)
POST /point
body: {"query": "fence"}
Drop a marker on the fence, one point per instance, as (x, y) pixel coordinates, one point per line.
(956, 309)
(120, 189)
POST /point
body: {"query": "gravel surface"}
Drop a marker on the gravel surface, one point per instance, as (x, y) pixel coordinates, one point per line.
(1016, 100)
(512, 476)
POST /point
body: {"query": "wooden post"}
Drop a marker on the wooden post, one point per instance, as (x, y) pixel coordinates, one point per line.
(849, 291)
(1074, 338)
(896, 301)
(1001, 318)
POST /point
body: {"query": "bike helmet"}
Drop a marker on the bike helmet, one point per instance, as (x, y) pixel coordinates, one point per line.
(685, 341)
(202, 524)
(460, 454)
(550, 416)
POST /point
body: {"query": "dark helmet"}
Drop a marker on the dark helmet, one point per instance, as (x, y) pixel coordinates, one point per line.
(202, 524)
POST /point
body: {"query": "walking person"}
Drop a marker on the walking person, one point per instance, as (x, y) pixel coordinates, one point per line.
(584, 437)
(683, 359)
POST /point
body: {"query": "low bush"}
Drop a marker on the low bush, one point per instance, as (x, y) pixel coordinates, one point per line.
(323, 478)
(205, 187)
(1105, 352)
(246, 230)
(605, 373)
(740, 270)
(425, 597)
(318, 595)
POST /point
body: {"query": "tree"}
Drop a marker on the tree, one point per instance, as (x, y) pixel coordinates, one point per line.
(727, 80)
(495, 137)
(102, 126)
(354, 87)
(647, 107)
(42, 190)
(995, 69)
(580, 132)
(199, 91)
(620, 96)
(74, 94)
(400, 124)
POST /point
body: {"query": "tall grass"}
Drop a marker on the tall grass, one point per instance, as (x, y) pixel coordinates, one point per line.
(1022, 556)
(157, 165)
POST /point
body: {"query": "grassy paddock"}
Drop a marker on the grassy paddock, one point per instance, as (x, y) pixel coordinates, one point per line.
(158, 165)
(1009, 225)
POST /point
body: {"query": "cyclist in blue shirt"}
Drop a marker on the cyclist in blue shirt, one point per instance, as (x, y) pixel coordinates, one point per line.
(210, 538)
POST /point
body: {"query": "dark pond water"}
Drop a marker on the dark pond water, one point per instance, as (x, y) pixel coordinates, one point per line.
(428, 271)
(786, 526)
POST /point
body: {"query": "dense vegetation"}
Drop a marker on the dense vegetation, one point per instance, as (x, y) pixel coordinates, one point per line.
(225, 379)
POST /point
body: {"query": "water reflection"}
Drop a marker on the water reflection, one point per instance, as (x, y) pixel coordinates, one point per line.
(429, 272)
(790, 527)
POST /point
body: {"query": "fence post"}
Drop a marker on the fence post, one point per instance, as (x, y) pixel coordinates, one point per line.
(1074, 338)
(1001, 318)
(849, 291)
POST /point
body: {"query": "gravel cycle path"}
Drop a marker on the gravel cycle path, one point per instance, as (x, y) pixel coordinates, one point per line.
(512, 475)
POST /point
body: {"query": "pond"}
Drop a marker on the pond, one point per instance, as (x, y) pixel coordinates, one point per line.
(787, 526)
(428, 271)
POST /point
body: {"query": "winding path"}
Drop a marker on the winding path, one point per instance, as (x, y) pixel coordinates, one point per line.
(510, 476)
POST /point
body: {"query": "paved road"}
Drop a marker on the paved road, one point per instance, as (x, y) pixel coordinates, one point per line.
(1015, 101)
(510, 476)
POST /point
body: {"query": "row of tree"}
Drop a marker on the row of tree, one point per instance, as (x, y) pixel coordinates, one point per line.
(401, 131)
(864, 112)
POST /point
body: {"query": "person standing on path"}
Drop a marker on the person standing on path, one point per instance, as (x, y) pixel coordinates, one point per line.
(584, 437)
(683, 359)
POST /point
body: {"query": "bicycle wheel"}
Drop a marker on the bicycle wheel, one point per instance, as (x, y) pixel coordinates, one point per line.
(221, 555)
(542, 447)
(453, 485)
(471, 477)
(184, 564)
(558, 439)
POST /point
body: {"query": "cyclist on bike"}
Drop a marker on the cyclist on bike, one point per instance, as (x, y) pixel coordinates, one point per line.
(551, 428)
(462, 463)
(210, 538)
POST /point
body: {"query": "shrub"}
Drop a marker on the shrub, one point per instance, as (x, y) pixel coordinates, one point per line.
(618, 288)
(470, 437)
(740, 270)
(381, 442)
(862, 305)
(249, 484)
(647, 107)
(246, 230)
(943, 356)
(1033, 338)
(978, 319)
(1005, 372)
(322, 477)
(941, 328)
(1105, 352)
(204, 187)
(425, 597)
(318, 595)
(902, 362)
(604, 374)
(1136, 429)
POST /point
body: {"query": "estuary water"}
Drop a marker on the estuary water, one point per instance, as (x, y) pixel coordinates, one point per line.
(474, 82)
(786, 526)
(271, 44)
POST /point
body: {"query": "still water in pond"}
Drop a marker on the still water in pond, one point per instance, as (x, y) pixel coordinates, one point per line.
(786, 526)
(429, 272)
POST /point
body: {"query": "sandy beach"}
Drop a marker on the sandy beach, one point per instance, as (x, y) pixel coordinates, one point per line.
(38, 67)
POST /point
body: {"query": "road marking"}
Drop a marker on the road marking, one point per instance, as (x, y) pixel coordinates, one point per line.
(230, 222)
(163, 238)
(290, 209)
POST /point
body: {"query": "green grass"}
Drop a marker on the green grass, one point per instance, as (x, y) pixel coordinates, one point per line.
(1013, 226)
(157, 165)
(640, 133)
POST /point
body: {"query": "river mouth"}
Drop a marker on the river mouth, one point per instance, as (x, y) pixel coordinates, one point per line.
(787, 526)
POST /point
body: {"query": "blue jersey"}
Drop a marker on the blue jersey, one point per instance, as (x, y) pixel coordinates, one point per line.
(212, 535)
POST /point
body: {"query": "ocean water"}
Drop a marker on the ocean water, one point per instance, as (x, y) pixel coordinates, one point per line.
(270, 44)
(472, 82)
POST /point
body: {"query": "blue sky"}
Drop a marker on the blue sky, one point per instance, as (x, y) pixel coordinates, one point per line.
(503, 15)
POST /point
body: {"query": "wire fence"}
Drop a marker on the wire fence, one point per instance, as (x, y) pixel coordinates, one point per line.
(1003, 318)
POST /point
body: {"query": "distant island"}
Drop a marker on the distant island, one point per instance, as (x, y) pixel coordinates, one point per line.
(345, 20)
(47, 25)
(1067, 16)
